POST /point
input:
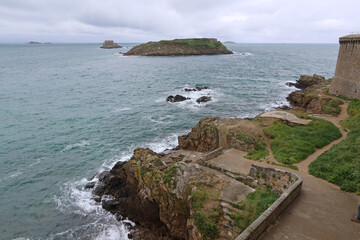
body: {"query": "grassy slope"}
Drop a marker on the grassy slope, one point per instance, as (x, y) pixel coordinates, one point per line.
(206, 221)
(292, 144)
(253, 206)
(341, 164)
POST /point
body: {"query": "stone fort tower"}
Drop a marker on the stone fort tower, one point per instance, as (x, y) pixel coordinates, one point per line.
(346, 81)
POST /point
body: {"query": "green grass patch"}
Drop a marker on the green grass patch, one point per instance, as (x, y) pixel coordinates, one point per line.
(341, 164)
(205, 221)
(259, 152)
(292, 144)
(353, 122)
(253, 206)
(245, 138)
(332, 107)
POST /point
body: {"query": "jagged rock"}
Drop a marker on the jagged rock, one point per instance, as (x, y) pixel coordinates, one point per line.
(213, 132)
(195, 89)
(203, 99)
(131, 190)
(284, 107)
(177, 98)
(89, 185)
(313, 98)
(306, 80)
(203, 137)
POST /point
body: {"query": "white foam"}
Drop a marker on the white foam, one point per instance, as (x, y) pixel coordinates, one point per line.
(246, 54)
(12, 175)
(101, 224)
(74, 199)
(164, 120)
(168, 142)
(117, 110)
(83, 143)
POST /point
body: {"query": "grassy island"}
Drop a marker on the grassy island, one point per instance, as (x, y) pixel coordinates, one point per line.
(191, 46)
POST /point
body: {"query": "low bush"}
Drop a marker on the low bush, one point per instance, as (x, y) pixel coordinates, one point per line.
(253, 206)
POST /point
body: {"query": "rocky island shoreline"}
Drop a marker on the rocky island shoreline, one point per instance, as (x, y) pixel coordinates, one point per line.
(191, 46)
(181, 194)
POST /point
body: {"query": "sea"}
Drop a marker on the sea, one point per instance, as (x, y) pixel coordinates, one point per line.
(70, 111)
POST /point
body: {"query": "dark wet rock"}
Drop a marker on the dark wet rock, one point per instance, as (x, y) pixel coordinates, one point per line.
(89, 185)
(306, 81)
(110, 203)
(201, 88)
(203, 99)
(177, 98)
(104, 175)
(96, 198)
(190, 90)
(284, 107)
(195, 89)
(99, 188)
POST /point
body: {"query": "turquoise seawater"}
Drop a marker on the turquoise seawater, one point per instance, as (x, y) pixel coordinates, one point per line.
(69, 111)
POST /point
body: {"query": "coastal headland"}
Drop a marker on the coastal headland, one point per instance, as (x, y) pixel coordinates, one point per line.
(209, 188)
(191, 46)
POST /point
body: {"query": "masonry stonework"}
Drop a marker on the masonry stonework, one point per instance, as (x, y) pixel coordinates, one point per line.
(346, 81)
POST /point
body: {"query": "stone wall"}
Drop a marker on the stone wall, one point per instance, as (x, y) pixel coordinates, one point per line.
(213, 154)
(347, 74)
(255, 230)
(277, 179)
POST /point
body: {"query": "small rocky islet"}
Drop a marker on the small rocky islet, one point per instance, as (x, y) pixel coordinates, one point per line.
(180, 98)
(110, 44)
(191, 46)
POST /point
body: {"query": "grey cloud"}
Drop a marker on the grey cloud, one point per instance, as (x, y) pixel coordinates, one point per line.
(144, 20)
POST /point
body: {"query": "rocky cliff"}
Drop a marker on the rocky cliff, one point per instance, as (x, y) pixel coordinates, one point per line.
(314, 97)
(213, 132)
(193, 46)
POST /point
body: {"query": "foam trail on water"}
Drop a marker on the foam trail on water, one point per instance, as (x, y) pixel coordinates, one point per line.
(83, 143)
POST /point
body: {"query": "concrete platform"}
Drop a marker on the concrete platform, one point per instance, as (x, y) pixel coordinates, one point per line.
(234, 161)
(286, 116)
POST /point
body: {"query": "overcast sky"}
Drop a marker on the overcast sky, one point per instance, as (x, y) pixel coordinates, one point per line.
(258, 21)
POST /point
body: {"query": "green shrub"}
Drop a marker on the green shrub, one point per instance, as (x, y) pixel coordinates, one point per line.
(292, 144)
(259, 152)
(205, 221)
(206, 225)
(254, 205)
(332, 107)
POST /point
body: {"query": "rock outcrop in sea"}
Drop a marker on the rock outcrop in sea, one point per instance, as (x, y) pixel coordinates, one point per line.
(192, 46)
(313, 96)
(109, 44)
